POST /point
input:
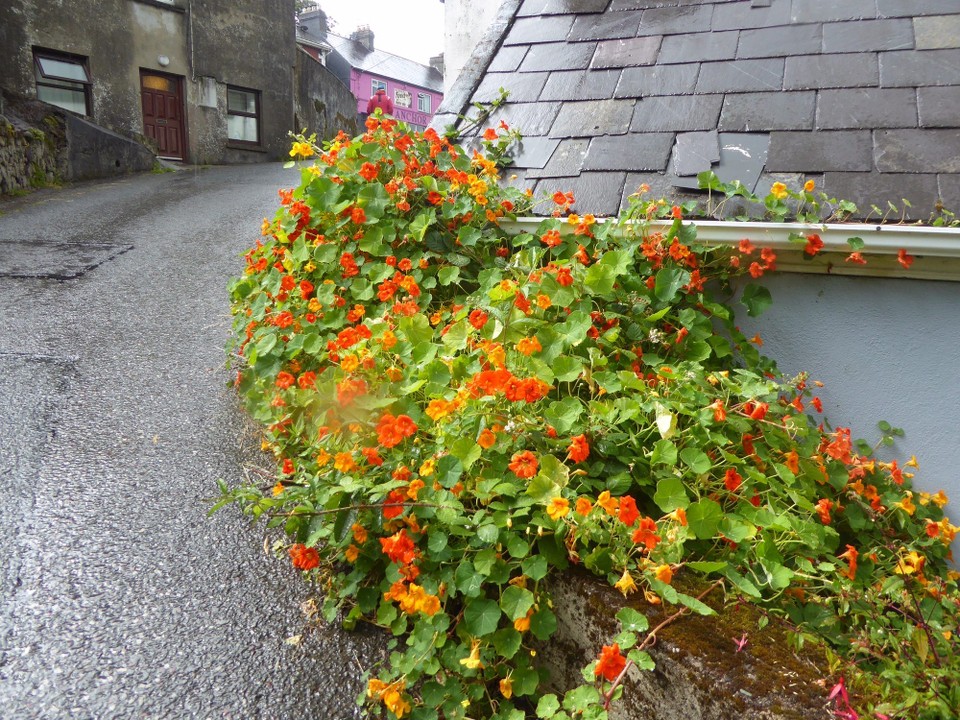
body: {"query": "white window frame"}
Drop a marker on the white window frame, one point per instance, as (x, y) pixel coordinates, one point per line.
(424, 103)
(47, 77)
(256, 115)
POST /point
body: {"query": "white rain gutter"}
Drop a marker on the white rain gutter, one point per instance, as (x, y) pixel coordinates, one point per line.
(936, 250)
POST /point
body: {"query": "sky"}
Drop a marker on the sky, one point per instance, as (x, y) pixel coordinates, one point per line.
(409, 28)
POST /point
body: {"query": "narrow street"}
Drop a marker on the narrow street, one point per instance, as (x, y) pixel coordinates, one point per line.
(119, 597)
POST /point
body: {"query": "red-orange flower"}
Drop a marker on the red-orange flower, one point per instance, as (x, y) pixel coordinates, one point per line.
(478, 318)
(524, 464)
(814, 245)
(611, 662)
(823, 507)
(628, 512)
(856, 257)
(392, 430)
(399, 548)
(284, 380)
(579, 449)
(487, 439)
(646, 534)
(732, 480)
(304, 558)
(393, 505)
(851, 557)
(904, 259)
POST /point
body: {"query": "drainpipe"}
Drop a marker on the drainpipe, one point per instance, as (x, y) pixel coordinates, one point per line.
(936, 250)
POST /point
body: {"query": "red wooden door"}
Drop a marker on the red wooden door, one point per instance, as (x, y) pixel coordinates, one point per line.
(162, 102)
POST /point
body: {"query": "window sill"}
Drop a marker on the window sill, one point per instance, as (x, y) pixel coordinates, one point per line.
(162, 5)
(234, 145)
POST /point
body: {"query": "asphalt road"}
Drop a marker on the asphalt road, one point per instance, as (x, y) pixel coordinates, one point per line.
(119, 598)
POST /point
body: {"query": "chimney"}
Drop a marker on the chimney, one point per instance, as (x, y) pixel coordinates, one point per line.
(436, 62)
(364, 36)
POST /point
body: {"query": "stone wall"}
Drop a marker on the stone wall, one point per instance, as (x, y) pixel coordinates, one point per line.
(324, 104)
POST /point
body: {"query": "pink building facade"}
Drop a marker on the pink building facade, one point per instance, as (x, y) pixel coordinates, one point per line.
(413, 104)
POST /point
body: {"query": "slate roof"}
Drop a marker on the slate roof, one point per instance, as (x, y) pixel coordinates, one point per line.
(352, 54)
(863, 96)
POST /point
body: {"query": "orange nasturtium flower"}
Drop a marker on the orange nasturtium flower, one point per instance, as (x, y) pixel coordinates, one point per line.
(487, 439)
(304, 558)
(583, 507)
(851, 557)
(608, 503)
(611, 662)
(664, 574)
(579, 449)
(524, 464)
(529, 346)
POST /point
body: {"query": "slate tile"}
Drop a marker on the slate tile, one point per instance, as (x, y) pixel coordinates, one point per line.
(638, 82)
(866, 108)
(673, 20)
(634, 151)
(617, 5)
(595, 192)
(741, 76)
(679, 113)
(590, 119)
(507, 59)
(939, 106)
(912, 8)
(918, 151)
(910, 68)
(626, 53)
(523, 87)
(566, 161)
(780, 41)
(698, 46)
(695, 152)
(740, 15)
(850, 150)
(831, 71)
(581, 85)
(532, 152)
(561, 7)
(558, 56)
(606, 26)
(660, 186)
(530, 30)
(950, 192)
(867, 35)
(742, 157)
(755, 112)
(532, 118)
(934, 33)
(877, 188)
(809, 11)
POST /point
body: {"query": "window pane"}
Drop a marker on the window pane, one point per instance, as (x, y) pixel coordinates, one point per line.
(242, 128)
(423, 103)
(154, 82)
(63, 69)
(240, 101)
(72, 100)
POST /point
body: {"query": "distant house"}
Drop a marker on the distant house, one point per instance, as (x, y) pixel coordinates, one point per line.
(861, 96)
(416, 90)
(201, 82)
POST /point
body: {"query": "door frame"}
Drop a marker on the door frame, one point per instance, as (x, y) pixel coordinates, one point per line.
(178, 80)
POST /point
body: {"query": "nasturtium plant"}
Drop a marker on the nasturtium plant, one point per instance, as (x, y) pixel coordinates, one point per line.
(457, 413)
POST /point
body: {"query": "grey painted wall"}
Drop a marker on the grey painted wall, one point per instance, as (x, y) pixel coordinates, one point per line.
(886, 350)
(324, 104)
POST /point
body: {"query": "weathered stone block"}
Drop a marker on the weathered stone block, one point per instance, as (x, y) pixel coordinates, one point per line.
(530, 30)
(677, 114)
(937, 32)
(596, 192)
(830, 71)
(625, 53)
(638, 82)
(699, 46)
(590, 119)
(867, 35)
(606, 26)
(936, 151)
(566, 161)
(877, 188)
(523, 87)
(580, 85)
(635, 151)
(866, 108)
(820, 151)
(939, 106)
(741, 15)
(558, 56)
(672, 20)
(920, 68)
(812, 11)
(768, 111)
(741, 76)
(780, 41)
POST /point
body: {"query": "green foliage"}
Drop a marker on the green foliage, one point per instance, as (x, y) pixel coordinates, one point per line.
(456, 413)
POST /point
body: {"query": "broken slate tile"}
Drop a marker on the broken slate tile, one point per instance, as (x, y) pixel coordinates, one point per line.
(590, 119)
(695, 152)
(742, 157)
(626, 53)
(566, 161)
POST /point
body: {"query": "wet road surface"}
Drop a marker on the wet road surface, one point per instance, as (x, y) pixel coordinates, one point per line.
(119, 598)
